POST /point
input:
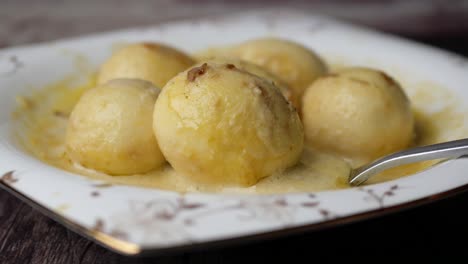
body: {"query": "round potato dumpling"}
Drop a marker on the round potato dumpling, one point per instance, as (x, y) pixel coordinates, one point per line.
(152, 62)
(296, 65)
(359, 113)
(110, 128)
(261, 72)
(213, 53)
(218, 124)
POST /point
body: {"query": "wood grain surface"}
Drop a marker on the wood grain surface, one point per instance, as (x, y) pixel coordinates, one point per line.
(428, 232)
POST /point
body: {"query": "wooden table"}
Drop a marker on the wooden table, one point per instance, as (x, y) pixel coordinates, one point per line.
(26, 236)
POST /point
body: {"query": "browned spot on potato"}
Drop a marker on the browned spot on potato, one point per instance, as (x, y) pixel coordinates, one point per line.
(60, 114)
(287, 94)
(194, 73)
(263, 91)
(387, 78)
(268, 98)
(150, 45)
(230, 66)
(218, 103)
(291, 107)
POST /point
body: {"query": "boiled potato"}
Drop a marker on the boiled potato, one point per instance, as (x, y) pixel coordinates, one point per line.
(152, 62)
(110, 128)
(359, 113)
(296, 65)
(213, 53)
(261, 72)
(218, 124)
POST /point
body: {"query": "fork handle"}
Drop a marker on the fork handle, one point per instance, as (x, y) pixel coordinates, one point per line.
(449, 149)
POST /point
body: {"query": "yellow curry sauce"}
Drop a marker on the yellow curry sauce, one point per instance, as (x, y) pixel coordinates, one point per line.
(41, 119)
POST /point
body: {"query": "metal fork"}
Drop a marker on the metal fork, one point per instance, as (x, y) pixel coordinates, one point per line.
(446, 150)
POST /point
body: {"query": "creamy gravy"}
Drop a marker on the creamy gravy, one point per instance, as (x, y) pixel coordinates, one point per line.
(41, 119)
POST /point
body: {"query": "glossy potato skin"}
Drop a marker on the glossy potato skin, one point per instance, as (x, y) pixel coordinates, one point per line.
(218, 124)
(359, 113)
(295, 64)
(110, 128)
(260, 72)
(153, 62)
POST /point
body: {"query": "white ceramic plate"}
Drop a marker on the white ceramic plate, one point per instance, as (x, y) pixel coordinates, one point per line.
(134, 220)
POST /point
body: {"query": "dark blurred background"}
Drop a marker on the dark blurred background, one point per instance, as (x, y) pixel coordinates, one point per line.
(442, 22)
